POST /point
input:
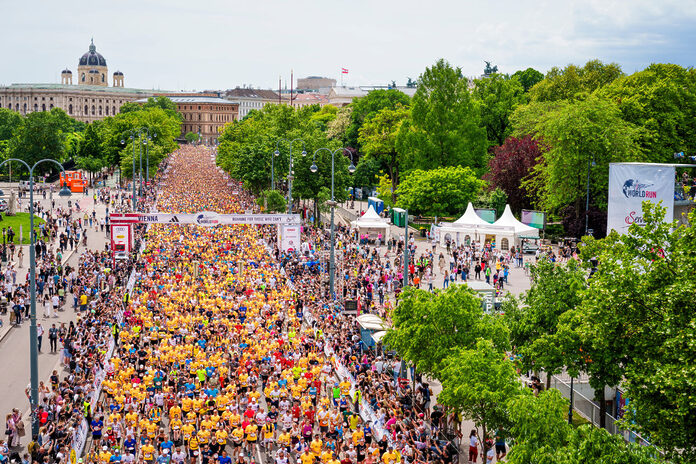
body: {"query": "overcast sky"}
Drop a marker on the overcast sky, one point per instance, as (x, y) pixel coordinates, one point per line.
(220, 44)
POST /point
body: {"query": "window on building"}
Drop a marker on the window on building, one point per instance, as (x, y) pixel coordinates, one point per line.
(100, 110)
(25, 108)
(94, 110)
(102, 78)
(51, 106)
(106, 108)
(69, 109)
(113, 108)
(43, 107)
(504, 244)
(36, 107)
(86, 110)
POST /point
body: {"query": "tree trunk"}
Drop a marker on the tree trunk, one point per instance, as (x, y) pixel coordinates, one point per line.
(599, 397)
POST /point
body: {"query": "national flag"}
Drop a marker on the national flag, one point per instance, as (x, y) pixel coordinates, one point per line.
(344, 71)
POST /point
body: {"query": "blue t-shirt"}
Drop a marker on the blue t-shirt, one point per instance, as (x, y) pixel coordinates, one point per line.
(225, 460)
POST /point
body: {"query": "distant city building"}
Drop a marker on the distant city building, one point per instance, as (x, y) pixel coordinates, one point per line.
(87, 98)
(343, 96)
(250, 99)
(301, 100)
(203, 113)
(316, 84)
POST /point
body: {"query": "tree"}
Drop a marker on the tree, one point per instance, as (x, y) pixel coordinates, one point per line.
(272, 200)
(478, 382)
(539, 426)
(9, 122)
(576, 133)
(573, 82)
(428, 326)
(192, 137)
(445, 127)
(556, 289)
(528, 78)
(337, 127)
(542, 435)
(511, 164)
(90, 154)
(661, 100)
(637, 323)
(324, 115)
(363, 109)
(39, 137)
(378, 140)
(497, 96)
(438, 192)
(366, 172)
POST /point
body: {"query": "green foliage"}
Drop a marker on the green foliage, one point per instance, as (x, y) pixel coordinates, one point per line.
(246, 148)
(573, 82)
(445, 127)
(438, 192)
(378, 140)
(557, 289)
(574, 133)
(40, 136)
(528, 78)
(366, 173)
(192, 137)
(363, 109)
(478, 382)
(324, 116)
(543, 435)
(273, 201)
(497, 96)
(9, 122)
(427, 327)
(638, 315)
(337, 127)
(661, 100)
(161, 102)
(539, 426)
(384, 189)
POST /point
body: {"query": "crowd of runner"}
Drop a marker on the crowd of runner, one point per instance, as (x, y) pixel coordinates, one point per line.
(230, 350)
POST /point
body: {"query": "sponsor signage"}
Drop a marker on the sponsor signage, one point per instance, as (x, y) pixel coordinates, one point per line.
(121, 242)
(632, 184)
(204, 218)
(289, 236)
(533, 218)
(487, 215)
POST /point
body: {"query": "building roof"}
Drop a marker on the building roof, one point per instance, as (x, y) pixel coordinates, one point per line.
(91, 88)
(92, 58)
(195, 99)
(309, 97)
(251, 93)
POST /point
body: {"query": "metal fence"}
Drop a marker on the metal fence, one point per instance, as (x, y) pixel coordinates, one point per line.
(588, 409)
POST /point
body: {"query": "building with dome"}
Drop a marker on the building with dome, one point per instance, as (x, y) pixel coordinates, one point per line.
(86, 95)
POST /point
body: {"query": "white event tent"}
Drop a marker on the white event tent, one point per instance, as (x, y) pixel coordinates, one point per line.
(505, 232)
(372, 224)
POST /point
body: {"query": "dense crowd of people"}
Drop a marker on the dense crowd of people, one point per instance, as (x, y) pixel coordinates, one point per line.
(230, 349)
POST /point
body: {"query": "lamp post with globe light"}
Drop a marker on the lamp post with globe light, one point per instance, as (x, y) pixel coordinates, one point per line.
(33, 338)
(332, 203)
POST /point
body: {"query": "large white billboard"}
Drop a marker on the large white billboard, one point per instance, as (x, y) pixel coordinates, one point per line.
(632, 184)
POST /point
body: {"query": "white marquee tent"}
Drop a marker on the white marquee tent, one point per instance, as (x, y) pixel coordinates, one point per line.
(372, 224)
(505, 232)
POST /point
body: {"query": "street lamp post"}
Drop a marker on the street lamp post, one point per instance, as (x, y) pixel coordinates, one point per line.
(33, 339)
(290, 176)
(590, 163)
(332, 203)
(137, 133)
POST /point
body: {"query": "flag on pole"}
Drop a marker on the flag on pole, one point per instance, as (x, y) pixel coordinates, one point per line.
(344, 71)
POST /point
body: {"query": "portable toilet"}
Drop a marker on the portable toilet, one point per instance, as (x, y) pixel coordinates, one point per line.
(376, 203)
(399, 217)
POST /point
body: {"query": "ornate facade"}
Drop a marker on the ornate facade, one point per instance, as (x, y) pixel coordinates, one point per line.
(85, 96)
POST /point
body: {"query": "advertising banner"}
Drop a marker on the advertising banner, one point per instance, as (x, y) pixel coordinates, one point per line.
(487, 215)
(204, 218)
(121, 239)
(632, 184)
(289, 238)
(533, 218)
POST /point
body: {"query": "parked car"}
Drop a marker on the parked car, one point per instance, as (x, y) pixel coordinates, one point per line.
(529, 246)
(3, 205)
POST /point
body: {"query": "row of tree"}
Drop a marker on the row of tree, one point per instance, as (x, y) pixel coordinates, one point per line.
(623, 315)
(530, 137)
(102, 144)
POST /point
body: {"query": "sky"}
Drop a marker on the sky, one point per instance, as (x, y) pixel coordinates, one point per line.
(220, 44)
